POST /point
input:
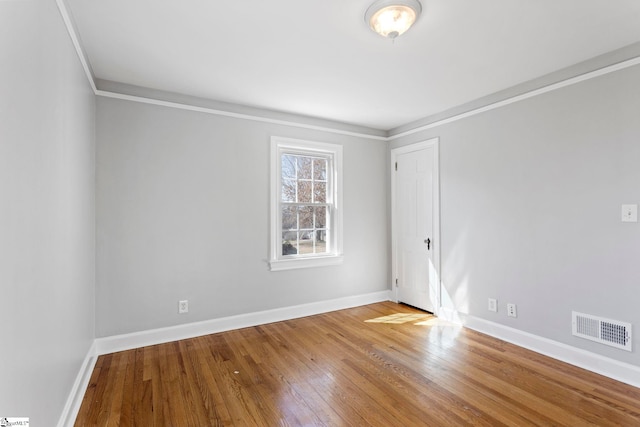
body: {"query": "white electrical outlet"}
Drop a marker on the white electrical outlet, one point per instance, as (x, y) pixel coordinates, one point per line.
(493, 305)
(183, 306)
(512, 310)
(629, 213)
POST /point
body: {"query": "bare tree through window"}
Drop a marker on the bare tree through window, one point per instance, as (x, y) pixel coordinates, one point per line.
(304, 204)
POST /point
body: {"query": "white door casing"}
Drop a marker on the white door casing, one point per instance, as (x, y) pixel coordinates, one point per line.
(416, 225)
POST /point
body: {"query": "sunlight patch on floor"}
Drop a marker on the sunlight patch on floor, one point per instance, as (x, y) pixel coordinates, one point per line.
(400, 318)
(434, 321)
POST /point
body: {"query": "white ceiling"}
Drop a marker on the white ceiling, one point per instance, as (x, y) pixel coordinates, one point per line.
(318, 57)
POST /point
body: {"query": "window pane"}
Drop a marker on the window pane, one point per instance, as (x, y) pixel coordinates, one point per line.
(320, 169)
(304, 191)
(289, 218)
(289, 243)
(290, 236)
(304, 167)
(306, 217)
(321, 241)
(305, 244)
(288, 190)
(320, 192)
(321, 217)
(288, 166)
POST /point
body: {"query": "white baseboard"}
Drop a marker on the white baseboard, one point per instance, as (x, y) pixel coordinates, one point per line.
(72, 406)
(174, 333)
(620, 371)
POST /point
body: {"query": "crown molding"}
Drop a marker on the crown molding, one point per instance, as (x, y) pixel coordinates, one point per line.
(610, 62)
(153, 97)
(617, 60)
(75, 39)
(199, 105)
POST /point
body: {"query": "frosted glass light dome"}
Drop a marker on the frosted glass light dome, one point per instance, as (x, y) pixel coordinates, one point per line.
(391, 18)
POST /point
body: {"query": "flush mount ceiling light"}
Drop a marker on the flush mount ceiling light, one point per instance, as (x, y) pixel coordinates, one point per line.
(391, 18)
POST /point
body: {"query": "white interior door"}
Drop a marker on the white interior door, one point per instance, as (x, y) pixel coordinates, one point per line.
(415, 225)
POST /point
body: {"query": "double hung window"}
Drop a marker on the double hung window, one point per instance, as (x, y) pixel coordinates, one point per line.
(305, 204)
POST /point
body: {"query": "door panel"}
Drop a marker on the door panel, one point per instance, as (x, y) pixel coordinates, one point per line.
(414, 224)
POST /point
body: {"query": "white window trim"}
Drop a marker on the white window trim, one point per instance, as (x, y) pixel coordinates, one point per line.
(276, 261)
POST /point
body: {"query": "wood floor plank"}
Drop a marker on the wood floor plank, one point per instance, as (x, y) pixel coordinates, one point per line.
(173, 409)
(118, 393)
(275, 373)
(212, 396)
(84, 412)
(378, 365)
(461, 413)
(140, 392)
(197, 394)
(223, 369)
(157, 398)
(106, 401)
(564, 392)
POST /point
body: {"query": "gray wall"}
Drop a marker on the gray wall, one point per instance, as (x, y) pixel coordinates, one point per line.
(47, 221)
(182, 213)
(530, 202)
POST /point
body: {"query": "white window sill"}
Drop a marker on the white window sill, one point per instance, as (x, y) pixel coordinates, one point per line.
(293, 263)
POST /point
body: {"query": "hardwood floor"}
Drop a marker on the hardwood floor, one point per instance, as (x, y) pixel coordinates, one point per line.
(379, 365)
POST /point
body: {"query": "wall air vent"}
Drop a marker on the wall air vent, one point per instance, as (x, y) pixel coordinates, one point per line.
(605, 331)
